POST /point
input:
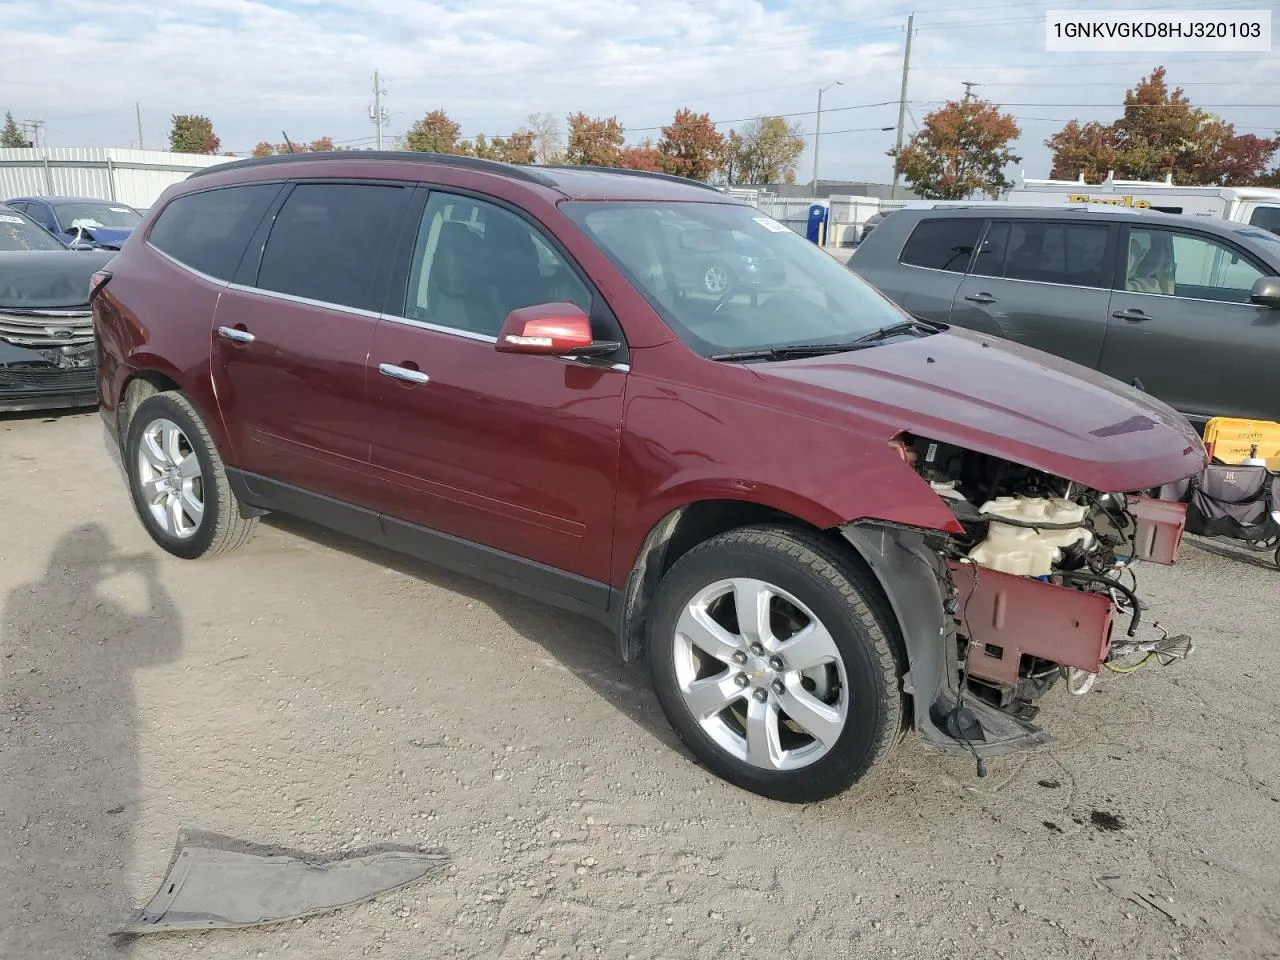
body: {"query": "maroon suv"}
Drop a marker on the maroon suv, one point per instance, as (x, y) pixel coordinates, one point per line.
(822, 520)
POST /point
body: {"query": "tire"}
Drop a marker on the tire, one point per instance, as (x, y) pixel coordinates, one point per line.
(807, 579)
(200, 478)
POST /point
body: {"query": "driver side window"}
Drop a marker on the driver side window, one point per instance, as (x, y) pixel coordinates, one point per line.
(475, 262)
(1183, 265)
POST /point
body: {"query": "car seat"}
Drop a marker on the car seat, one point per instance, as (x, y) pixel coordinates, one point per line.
(460, 289)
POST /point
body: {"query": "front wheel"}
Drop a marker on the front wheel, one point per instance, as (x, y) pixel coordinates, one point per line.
(772, 655)
(178, 481)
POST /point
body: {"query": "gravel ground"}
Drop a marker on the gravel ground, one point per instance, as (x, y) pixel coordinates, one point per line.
(314, 693)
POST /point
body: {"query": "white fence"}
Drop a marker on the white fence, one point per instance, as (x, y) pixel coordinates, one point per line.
(135, 177)
(844, 221)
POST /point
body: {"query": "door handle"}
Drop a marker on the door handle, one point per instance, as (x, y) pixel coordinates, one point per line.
(239, 336)
(981, 298)
(402, 373)
(1133, 315)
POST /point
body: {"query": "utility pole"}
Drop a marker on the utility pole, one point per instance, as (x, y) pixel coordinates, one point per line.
(968, 88)
(377, 112)
(137, 109)
(817, 132)
(35, 126)
(902, 107)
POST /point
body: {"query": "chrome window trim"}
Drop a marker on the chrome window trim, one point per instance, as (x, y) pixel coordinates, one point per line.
(1174, 296)
(305, 301)
(485, 338)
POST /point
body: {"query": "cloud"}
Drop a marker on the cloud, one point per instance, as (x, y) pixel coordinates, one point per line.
(305, 66)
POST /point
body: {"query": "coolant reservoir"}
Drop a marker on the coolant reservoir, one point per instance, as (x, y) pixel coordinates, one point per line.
(1023, 550)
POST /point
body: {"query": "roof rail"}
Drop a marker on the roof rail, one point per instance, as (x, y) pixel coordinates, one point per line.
(627, 172)
(517, 171)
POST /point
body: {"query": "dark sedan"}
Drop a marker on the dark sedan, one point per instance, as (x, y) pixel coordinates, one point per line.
(47, 351)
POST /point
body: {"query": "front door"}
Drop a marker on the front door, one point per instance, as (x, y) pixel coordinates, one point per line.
(1181, 323)
(290, 343)
(1042, 283)
(515, 453)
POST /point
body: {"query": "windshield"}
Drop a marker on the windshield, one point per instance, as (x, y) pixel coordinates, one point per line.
(93, 216)
(19, 233)
(727, 279)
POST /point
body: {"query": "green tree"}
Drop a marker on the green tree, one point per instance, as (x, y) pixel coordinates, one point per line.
(434, 133)
(11, 135)
(691, 146)
(961, 149)
(594, 141)
(192, 133)
(1161, 133)
(765, 151)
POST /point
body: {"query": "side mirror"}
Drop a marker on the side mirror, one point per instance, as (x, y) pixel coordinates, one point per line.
(555, 329)
(1266, 292)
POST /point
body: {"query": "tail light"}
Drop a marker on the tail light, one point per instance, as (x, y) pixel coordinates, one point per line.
(97, 282)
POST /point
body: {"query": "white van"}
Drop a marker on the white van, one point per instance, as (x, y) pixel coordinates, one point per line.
(1259, 206)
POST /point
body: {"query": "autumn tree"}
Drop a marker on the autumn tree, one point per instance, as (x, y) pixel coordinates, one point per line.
(594, 141)
(11, 135)
(961, 149)
(547, 145)
(1160, 133)
(691, 146)
(192, 133)
(319, 145)
(641, 156)
(765, 151)
(434, 133)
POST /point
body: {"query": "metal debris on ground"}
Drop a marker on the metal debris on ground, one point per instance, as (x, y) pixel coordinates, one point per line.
(1129, 890)
(216, 882)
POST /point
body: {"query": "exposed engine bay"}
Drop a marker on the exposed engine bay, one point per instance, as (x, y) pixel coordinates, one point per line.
(1041, 583)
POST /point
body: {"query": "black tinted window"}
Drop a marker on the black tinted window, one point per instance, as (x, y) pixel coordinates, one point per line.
(990, 259)
(942, 244)
(1268, 218)
(209, 231)
(327, 241)
(1070, 253)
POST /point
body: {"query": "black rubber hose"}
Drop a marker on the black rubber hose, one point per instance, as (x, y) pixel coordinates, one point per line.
(1114, 585)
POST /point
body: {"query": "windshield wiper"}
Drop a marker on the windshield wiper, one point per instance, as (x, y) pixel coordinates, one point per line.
(796, 350)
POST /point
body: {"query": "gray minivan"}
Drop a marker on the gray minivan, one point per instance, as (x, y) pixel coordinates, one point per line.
(1186, 308)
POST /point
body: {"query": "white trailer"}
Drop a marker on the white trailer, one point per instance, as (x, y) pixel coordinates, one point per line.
(1259, 206)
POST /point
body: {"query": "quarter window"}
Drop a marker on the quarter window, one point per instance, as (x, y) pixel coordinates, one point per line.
(475, 262)
(942, 244)
(326, 243)
(1068, 253)
(209, 231)
(1183, 265)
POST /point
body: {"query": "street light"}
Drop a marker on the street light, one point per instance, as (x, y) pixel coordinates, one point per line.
(817, 132)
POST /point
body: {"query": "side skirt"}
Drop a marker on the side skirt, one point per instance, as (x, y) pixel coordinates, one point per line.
(568, 591)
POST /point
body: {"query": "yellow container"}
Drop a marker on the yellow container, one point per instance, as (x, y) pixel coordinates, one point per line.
(1230, 440)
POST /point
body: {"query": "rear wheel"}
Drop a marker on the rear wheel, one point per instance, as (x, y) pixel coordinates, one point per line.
(771, 655)
(178, 481)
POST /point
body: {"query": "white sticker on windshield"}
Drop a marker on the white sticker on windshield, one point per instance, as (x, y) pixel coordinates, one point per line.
(8, 219)
(770, 224)
(119, 209)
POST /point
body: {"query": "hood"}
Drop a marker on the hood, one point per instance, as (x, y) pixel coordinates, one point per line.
(44, 279)
(1005, 400)
(113, 237)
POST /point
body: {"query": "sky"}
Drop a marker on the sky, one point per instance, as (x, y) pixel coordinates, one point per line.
(305, 67)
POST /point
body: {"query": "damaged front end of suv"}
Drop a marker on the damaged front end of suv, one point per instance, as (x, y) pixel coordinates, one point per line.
(1032, 584)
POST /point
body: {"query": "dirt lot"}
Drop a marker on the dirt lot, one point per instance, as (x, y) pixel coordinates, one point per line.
(313, 693)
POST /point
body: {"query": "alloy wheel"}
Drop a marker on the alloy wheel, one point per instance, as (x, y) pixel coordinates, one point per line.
(760, 674)
(716, 280)
(170, 478)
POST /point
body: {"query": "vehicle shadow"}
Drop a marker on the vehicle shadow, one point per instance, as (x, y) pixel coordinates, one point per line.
(580, 645)
(69, 791)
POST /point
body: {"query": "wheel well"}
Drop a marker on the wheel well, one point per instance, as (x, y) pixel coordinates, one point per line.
(677, 534)
(141, 385)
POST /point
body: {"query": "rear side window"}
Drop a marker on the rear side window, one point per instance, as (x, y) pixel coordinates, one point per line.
(1067, 253)
(1268, 218)
(942, 244)
(327, 241)
(209, 231)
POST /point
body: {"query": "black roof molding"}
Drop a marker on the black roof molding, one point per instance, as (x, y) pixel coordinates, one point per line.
(518, 172)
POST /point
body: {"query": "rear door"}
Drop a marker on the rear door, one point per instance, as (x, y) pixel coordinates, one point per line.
(513, 452)
(1182, 324)
(1043, 283)
(923, 277)
(291, 337)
